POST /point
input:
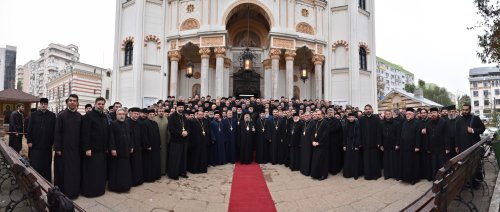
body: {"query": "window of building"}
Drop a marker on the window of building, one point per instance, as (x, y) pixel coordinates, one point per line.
(474, 84)
(475, 93)
(485, 93)
(485, 84)
(362, 59)
(497, 101)
(107, 93)
(129, 52)
(476, 103)
(108, 73)
(486, 102)
(497, 91)
(362, 4)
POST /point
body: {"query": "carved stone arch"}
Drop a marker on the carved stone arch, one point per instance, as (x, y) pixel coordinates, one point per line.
(127, 40)
(190, 24)
(305, 28)
(153, 38)
(340, 43)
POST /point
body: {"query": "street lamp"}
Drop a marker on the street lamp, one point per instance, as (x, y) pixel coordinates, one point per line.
(189, 69)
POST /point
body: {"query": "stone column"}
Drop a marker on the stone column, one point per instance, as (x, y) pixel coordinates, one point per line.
(225, 75)
(267, 79)
(220, 53)
(289, 57)
(174, 56)
(318, 69)
(275, 67)
(205, 55)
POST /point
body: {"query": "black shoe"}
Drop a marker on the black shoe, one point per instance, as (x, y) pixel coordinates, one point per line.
(184, 176)
(322, 178)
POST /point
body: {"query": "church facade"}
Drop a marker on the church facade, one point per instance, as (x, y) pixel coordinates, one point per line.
(307, 49)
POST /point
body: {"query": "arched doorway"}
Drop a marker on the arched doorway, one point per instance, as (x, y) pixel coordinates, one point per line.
(248, 26)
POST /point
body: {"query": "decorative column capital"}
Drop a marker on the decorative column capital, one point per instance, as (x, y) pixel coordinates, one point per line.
(318, 59)
(290, 54)
(220, 52)
(267, 64)
(204, 52)
(174, 55)
(274, 53)
(227, 62)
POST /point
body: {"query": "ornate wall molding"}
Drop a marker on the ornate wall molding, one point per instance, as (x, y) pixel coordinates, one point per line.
(204, 52)
(174, 55)
(126, 40)
(290, 54)
(283, 43)
(318, 59)
(364, 45)
(319, 48)
(212, 41)
(152, 38)
(340, 43)
(305, 28)
(173, 45)
(190, 24)
(267, 64)
(275, 53)
(220, 51)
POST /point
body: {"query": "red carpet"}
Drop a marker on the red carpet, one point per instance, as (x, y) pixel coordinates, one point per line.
(249, 190)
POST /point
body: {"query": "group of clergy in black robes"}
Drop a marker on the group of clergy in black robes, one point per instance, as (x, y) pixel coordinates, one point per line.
(92, 152)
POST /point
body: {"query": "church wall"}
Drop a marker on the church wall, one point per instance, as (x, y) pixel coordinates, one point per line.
(126, 78)
(340, 86)
(152, 83)
(365, 97)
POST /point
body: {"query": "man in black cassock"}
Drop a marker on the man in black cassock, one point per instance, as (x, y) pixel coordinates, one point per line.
(40, 137)
(177, 153)
(369, 126)
(199, 139)
(151, 154)
(218, 139)
(352, 144)
(136, 156)
(468, 129)
(16, 128)
(390, 132)
(335, 138)
(273, 135)
(261, 143)
(306, 139)
(321, 147)
(121, 146)
(67, 148)
(246, 131)
(230, 125)
(438, 140)
(409, 145)
(295, 131)
(94, 145)
(452, 123)
(284, 145)
(425, 154)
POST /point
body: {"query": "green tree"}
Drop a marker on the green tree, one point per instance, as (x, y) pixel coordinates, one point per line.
(19, 85)
(489, 41)
(410, 88)
(421, 83)
(437, 94)
(463, 100)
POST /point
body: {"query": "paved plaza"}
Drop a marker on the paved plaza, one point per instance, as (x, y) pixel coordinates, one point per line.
(290, 191)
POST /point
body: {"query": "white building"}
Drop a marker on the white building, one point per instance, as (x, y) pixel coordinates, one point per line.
(8, 67)
(390, 77)
(156, 39)
(484, 90)
(58, 72)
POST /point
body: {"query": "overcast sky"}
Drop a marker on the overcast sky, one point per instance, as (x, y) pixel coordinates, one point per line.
(427, 37)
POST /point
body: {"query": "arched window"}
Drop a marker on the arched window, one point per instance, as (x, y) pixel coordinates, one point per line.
(362, 4)
(362, 59)
(129, 52)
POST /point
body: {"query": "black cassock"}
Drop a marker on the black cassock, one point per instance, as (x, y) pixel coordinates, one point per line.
(425, 155)
(230, 128)
(40, 134)
(369, 127)
(352, 142)
(246, 131)
(120, 172)
(67, 140)
(295, 131)
(136, 156)
(284, 144)
(464, 139)
(438, 141)
(336, 154)
(306, 138)
(197, 152)
(177, 153)
(273, 135)
(261, 143)
(320, 157)
(410, 139)
(390, 132)
(95, 138)
(16, 125)
(151, 158)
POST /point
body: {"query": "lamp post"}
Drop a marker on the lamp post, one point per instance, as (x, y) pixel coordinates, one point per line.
(303, 69)
(247, 56)
(189, 69)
